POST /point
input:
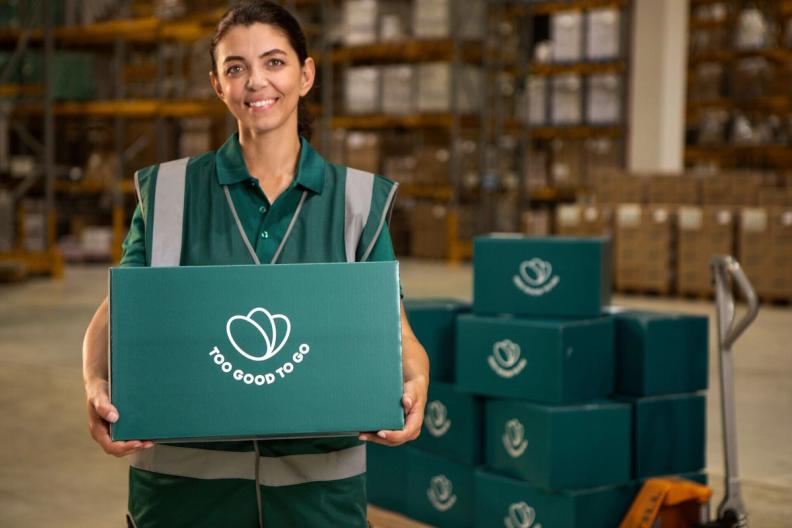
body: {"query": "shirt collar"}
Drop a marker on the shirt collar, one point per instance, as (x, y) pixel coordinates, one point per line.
(231, 168)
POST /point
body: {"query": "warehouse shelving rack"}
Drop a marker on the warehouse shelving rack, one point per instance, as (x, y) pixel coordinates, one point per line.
(528, 134)
(727, 155)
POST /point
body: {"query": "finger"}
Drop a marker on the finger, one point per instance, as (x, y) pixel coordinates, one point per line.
(100, 432)
(104, 408)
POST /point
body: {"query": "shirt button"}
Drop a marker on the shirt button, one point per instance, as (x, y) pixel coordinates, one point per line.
(252, 183)
(262, 209)
(264, 234)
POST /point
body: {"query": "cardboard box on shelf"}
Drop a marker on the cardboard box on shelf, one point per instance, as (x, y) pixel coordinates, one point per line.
(560, 447)
(400, 168)
(672, 189)
(360, 21)
(504, 501)
(568, 160)
(536, 222)
(570, 360)
(584, 220)
(363, 151)
(534, 109)
(660, 353)
(566, 33)
(432, 165)
(429, 230)
(210, 350)
(362, 90)
(541, 276)
(703, 232)
(645, 247)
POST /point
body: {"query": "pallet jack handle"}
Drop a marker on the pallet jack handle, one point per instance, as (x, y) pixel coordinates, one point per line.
(727, 272)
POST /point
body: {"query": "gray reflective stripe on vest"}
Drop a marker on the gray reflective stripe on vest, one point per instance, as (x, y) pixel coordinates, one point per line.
(273, 471)
(385, 217)
(166, 240)
(357, 197)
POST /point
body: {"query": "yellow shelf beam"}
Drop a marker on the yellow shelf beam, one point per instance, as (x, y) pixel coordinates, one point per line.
(407, 51)
(582, 68)
(408, 121)
(131, 108)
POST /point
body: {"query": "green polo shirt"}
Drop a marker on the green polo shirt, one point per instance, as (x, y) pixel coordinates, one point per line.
(264, 223)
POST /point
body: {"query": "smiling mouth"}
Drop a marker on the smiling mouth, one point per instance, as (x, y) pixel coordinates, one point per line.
(262, 104)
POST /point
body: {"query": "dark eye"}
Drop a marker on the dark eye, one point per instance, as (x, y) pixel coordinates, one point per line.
(276, 62)
(233, 70)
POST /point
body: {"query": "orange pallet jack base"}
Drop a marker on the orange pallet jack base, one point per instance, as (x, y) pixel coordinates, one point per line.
(674, 502)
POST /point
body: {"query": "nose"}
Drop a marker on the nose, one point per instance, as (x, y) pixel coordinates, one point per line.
(257, 79)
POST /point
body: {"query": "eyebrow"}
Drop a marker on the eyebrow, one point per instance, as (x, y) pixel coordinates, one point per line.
(273, 51)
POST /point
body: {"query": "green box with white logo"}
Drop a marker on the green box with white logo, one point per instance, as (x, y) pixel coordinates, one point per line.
(551, 361)
(560, 447)
(387, 470)
(453, 424)
(221, 352)
(440, 492)
(434, 324)
(669, 434)
(502, 501)
(660, 353)
(546, 276)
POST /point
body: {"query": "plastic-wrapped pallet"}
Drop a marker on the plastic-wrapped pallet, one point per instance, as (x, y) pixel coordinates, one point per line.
(6, 221)
(398, 89)
(567, 101)
(603, 106)
(436, 19)
(566, 32)
(436, 86)
(362, 90)
(535, 107)
(360, 20)
(603, 34)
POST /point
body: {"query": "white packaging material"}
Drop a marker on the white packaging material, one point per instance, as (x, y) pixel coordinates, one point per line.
(603, 34)
(436, 88)
(690, 218)
(434, 19)
(96, 241)
(753, 30)
(753, 220)
(394, 20)
(566, 108)
(398, 89)
(568, 215)
(34, 235)
(603, 106)
(536, 92)
(566, 32)
(360, 19)
(362, 90)
(628, 215)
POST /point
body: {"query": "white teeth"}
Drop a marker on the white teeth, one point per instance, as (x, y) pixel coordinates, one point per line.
(259, 104)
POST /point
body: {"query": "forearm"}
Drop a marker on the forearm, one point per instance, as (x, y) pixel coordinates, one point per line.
(415, 362)
(95, 346)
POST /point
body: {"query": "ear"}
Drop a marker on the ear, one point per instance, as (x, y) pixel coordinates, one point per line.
(216, 85)
(308, 75)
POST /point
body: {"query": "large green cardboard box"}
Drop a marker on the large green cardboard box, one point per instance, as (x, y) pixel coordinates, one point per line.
(502, 501)
(549, 276)
(453, 424)
(216, 352)
(660, 353)
(544, 360)
(559, 447)
(669, 434)
(387, 469)
(440, 492)
(434, 324)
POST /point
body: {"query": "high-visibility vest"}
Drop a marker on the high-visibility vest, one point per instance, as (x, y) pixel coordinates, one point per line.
(320, 463)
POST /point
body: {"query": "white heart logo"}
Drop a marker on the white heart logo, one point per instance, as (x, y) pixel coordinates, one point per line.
(506, 353)
(536, 271)
(440, 493)
(269, 336)
(436, 420)
(521, 515)
(514, 438)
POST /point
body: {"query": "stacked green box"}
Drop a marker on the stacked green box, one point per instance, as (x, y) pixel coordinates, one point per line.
(662, 365)
(73, 73)
(434, 324)
(502, 501)
(660, 353)
(541, 277)
(439, 491)
(386, 476)
(543, 360)
(559, 447)
(28, 13)
(452, 424)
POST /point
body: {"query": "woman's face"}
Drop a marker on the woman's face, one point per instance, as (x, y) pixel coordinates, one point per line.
(259, 77)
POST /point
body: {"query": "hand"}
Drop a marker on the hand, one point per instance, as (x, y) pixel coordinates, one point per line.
(414, 402)
(101, 413)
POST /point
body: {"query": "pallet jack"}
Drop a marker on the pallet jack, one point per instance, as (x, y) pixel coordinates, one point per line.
(678, 503)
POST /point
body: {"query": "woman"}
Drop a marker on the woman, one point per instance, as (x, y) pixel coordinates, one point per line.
(264, 196)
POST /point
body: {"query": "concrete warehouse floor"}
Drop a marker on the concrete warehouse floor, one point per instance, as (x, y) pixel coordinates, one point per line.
(52, 474)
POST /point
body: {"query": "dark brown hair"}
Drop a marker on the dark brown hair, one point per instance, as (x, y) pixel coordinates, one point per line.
(267, 12)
